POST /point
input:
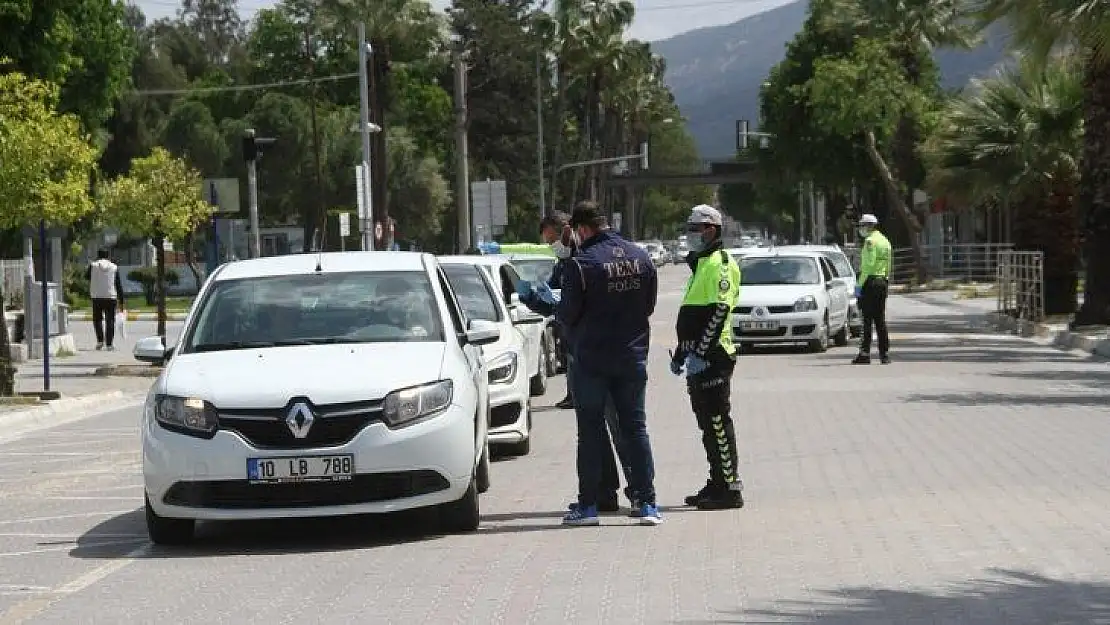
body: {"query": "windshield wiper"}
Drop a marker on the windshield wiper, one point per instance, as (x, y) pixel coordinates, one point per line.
(219, 347)
(322, 340)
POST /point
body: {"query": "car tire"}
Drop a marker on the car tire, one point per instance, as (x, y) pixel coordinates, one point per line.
(821, 344)
(855, 331)
(167, 531)
(550, 357)
(464, 515)
(481, 476)
(537, 386)
(841, 338)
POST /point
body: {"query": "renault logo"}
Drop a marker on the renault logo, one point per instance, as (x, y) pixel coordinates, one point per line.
(299, 419)
(759, 311)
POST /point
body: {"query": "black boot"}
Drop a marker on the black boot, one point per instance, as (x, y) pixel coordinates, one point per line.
(709, 490)
(566, 403)
(862, 359)
(884, 359)
(722, 500)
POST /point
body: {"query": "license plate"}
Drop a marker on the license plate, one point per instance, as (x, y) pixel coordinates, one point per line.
(759, 325)
(300, 469)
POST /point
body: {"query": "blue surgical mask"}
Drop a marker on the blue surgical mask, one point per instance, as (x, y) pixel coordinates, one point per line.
(696, 243)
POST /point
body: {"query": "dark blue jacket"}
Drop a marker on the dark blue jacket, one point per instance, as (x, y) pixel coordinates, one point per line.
(609, 293)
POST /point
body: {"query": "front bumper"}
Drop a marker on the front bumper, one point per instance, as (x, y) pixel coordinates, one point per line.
(790, 327)
(509, 407)
(425, 464)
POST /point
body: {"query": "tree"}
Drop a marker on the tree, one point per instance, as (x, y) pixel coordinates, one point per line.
(160, 199)
(866, 94)
(1083, 26)
(1017, 139)
(44, 177)
(417, 190)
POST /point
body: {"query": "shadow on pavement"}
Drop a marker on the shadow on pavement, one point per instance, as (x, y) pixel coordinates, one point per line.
(1011, 597)
(918, 352)
(1015, 399)
(285, 536)
(1089, 377)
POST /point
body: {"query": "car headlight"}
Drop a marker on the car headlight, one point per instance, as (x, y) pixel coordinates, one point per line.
(418, 402)
(185, 415)
(805, 304)
(502, 369)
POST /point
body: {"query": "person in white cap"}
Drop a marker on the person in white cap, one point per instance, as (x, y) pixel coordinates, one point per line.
(707, 354)
(871, 289)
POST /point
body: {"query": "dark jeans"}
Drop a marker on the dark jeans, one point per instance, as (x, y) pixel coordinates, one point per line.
(610, 474)
(872, 306)
(627, 390)
(104, 320)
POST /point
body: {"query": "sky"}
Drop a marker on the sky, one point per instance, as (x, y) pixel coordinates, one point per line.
(655, 19)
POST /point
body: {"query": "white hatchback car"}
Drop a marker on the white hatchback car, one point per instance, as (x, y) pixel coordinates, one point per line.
(510, 360)
(790, 297)
(844, 273)
(318, 385)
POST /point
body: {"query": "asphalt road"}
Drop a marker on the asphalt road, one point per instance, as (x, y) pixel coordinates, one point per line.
(965, 483)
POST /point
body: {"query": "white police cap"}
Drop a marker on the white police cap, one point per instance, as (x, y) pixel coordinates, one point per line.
(703, 214)
(868, 220)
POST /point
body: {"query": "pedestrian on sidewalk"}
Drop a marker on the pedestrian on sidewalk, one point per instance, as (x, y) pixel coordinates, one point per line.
(609, 294)
(707, 354)
(555, 232)
(872, 287)
(106, 291)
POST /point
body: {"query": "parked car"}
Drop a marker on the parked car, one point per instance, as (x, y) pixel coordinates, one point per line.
(790, 297)
(317, 385)
(516, 365)
(655, 251)
(536, 269)
(844, 273)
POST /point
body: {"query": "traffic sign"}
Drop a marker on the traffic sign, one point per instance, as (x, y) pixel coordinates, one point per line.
(344, 224)
(222, 194)
(490, 203)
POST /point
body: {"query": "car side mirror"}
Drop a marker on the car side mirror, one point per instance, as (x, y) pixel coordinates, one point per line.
(482, 332)
(522, 315)
(152, 350)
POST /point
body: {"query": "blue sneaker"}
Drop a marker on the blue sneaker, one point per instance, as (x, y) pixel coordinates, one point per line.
(649, 514)
(582, 516)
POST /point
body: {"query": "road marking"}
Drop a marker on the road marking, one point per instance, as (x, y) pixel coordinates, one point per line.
(83, 515)
(39, 454)
(70, 546)
(89, 498)
(30, 608)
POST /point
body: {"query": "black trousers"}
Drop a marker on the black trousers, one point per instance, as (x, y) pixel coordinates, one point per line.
(872, 306)
(104, 320)
(710, 393)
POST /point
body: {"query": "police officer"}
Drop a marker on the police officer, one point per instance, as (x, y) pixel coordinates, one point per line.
(707, 354)
(609, 294)
(871, 289)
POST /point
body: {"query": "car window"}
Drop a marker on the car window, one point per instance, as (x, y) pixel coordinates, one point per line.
(453, 308)
(476, 297)
(535, 269)
(826, 270)
(509, 279)
(840, 263)
(357, 307)
(756, 271)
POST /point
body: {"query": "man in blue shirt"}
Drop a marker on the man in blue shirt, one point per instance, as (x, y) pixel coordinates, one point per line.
(609, 294)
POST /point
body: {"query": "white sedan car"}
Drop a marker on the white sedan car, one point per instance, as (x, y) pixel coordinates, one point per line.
(512, 358)
(536, 269)
(318, 385)
(790, 297)
(844, 273)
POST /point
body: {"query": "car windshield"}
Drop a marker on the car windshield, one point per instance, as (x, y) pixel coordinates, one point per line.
(756, 271)
(840, 261)
(317, 309)
(535, 270)
(474, 295)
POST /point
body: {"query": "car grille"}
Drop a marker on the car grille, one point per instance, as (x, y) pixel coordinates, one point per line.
(335, 424)
(500, 416)
(365, 488)
(774, 310)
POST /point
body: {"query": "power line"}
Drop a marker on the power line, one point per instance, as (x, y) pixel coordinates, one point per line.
(254, 87)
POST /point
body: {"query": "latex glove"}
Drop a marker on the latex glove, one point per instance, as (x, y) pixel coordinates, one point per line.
(490, 247)
(695, 365)
(676, 365)
(524, 290)
(546, 295)
(859, 292)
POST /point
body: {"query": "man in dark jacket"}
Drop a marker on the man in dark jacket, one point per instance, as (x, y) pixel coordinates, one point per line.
(609, 293)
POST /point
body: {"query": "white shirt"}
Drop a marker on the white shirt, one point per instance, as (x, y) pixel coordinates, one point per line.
(102, 279)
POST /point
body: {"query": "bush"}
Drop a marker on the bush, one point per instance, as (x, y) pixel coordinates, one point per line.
(148, 278)
(75, 285)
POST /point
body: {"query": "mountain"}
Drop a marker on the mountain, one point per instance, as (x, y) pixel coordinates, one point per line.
(715, 73)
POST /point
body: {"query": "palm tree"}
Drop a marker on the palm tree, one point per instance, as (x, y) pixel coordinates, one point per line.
(1016, 139)
(1083, 25)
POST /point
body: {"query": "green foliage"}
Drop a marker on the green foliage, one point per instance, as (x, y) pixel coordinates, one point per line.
(46, 159)
(161, 197)
(148, 278)
(419, 195)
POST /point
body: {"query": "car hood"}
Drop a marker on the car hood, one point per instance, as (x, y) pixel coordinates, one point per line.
(776, 295)
(326, 374)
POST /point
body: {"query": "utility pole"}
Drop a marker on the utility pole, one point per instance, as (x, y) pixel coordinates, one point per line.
(250, 154)
(321, 213)
(539, 131)
(366, 224)
(462, 159)
(801, 212)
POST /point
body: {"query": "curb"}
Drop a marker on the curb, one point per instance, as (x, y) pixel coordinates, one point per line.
(131, 316)
(18, 423)
(1064, 339)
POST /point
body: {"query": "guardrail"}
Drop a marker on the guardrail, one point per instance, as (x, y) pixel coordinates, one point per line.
(966, 262)
(1020, 280)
